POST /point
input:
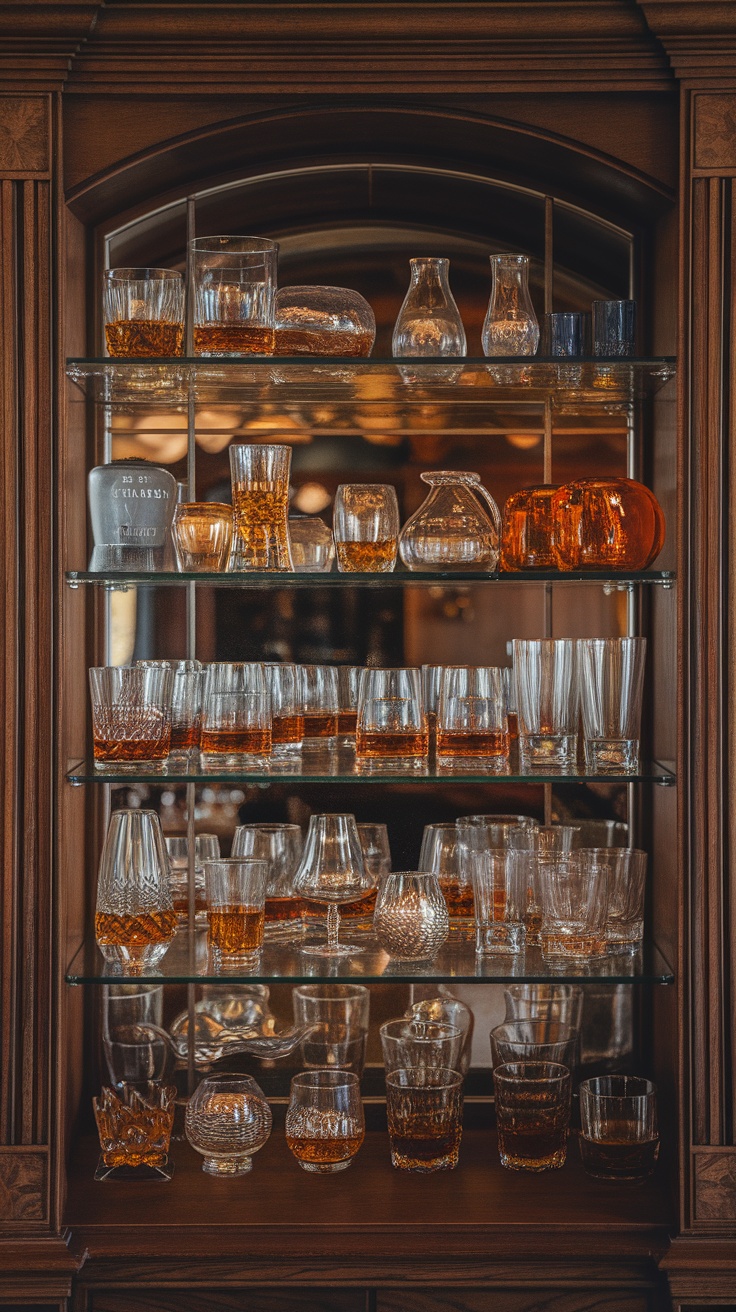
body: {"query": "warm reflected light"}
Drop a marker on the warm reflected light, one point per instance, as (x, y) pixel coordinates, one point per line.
(523, 441)
(277, 428)
(311, 498)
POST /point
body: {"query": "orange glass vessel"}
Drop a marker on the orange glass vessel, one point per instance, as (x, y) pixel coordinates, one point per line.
(527, 536)
(607, 523)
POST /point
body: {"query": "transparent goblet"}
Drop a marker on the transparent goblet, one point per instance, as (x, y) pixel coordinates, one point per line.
(332, 871)
(227, 1121)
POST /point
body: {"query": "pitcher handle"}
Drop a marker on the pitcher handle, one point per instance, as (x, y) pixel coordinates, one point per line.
(495, 512)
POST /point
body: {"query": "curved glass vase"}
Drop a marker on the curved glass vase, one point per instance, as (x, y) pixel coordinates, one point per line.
(452, 529)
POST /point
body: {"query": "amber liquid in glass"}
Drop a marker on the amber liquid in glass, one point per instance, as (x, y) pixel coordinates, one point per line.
(284, 909)
(320, 724)
(131, 749)
(384, 743)
(144, 337)
(367, 557)
(223, 338)
(528, 530)
(619, 1157)
(325, 1152)
(235, 929)
(136, 1136)
(459, 898)
(135, 931)
(301, 341)
(260, 527)
(573, 945)
(226, 742)
(532, 1132)
(287, 729)
(451, 743)
(364, 906)
(347, 722)
(181, 904)
(185, 737)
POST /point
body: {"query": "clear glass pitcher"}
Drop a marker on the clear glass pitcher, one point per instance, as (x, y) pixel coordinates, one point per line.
(452, 529)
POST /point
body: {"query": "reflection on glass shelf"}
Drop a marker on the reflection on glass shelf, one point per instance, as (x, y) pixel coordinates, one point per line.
(369, 382)
(457, 961)
(343, 767)
(401, 578)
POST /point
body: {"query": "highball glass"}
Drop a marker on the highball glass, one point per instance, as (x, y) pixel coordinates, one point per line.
(320, 702)
(611, 687)
(545, 671)
(499, 894)
(325, 1126)
(259, 475)
(287, 716)
(234, 288)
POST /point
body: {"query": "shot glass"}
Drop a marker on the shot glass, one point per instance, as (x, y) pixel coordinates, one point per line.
(545, 672)
(574, 893)
(338, 1016)
(410, 1043)
(535, 1040)
(348, 683)
(187, 689)
(236, 719)
(287, 716)
(614, 328)
(320, 701)
(280, 845)
(236, 910)
(131, 714)
(627, 883)
(439, 856)
(619, 1139)
(550, 1002)
(471, 715)
(144, 312)
(312, 544)
(391, 720)
(325, 1125)
(366, 526)
(424, 1107)
(533, 1114)
(135, 921)
(498, 887)
(202, 532)
(234, 288)
(611, 685)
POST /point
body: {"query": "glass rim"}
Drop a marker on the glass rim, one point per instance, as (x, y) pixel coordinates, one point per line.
(124, 274)
(221, 1077)
(268, 826)
(325, 1078)
(369, 487)
(649, 1090)
(510, 258)
(573, 1030)
(264, 244)
(231, 861)
(454, 1082)
(350, 991)
(420, 1038)
(201, 506)
(514, 1072)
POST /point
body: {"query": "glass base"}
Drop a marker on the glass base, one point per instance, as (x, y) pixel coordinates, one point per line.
(615, 755)
(402, 1163)
(500, 940)
(235, 961)
(549, 751)
(135, 961)
(324, 1168)
(532, 1164)
(227, 1165)
(324, 950)
(163, 1171)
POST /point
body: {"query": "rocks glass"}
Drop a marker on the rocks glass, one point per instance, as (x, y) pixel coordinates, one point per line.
(131, 714)
(366, 526)
(236, 719)
(144, 312)
(135, 920)
(187, 689)
(202, 532)
(287, 716)
(412, 1043)
(338, 1015)
(234, 288)
(424, 1107)
(325, 1125)
(611, 684)
(574, 891)
(552, 1002)
(280, 845)
(535, 1040)
(320, 701)
(533, 1114)
(134, 1126)
(626, 887)
(619, 1139)
(236, 910)
(227, 1121)
(260, 490)
(545, 671)
(312, 544)
(331, 870)
(392, 724)
(471, 716)
(411, 920)
(614, 328)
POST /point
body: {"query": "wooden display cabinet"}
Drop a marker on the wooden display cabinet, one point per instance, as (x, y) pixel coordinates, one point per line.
(352, 132)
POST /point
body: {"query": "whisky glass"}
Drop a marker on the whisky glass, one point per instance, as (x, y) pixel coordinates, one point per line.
(611, 687)
(131, 715)
(614, 328)
(471, 716)
(202, 532)
(206, 848)
(236, 719)
(549, 839)
(424, 1107)
(320, 701)
(392, 724)
(411, 1043)
(236, 910)
(144, 313)
(130, 1004)
(545, 671)
(564, 334)
(187, 689)
(533, 1102)
(348, 684)
(627, 882)
(527, 537)
(325, 1126)
(552, 1002)
(227, 1121)
(410, 920)
(366, 526)
(338, 1017)
(287, 716)
(234, 289)
(439, 856)
(535, 1040)
(499, 895)
(135, 921)
(280, 845)
(331, 870)
(323, 321)
(134, 1126)
(312, 544)
(260, 491)
(377, 861)
(619, 1138)
(136, 1056)
(574, 891)
(447, 1011)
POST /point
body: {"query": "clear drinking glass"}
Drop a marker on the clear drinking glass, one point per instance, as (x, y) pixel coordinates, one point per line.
(202, 532)
(236, 909)
(348, 684)
(574, 895)
(377, 861)
(287, 716)
(144, 312)
(136, 1056)
(177, 847)
(432, 676)
(227, 1121)
(565, 333)
(471, 715)
(366, 525)
(236, 719)
(260, 490)
(627, 883)
(549, 839)
(131, 1004)
(325, 1126)
(391, 720)
(410, 1043)
(510, 326)
(135, 920)
(447, 1010)
(614, 328)
(498, 888)
(424, 1107)
(545, 671)
(338, 1015)
(619, 1138)
(535, 1040)
(411, 921)
(439, 856)
(131, 714)
(533, 1113)
(134, 1126)
(331, 870)
(234, 289)
(551, 1002)
(611, 672)
(320, 701)
(187, 690)
(280, 845)
(312, 544)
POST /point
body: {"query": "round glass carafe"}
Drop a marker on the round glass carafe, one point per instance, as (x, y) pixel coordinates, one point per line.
(452, 529)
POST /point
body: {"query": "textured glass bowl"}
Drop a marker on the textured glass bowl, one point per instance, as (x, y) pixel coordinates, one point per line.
(227, 1120)
(323, 321)
(411, 920)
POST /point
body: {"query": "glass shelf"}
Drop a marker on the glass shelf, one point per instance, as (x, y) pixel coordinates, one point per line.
(302, 382)
(285, 963)
(342, 767)
(119, 580)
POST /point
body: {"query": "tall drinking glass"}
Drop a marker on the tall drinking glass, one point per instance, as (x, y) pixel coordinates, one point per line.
(320, 701)
(611, 686)
(280, 845)
(545, 672)
(187, 690)
(498, 887)
(236, 902)
(439, 855)
(348, 684)
(234, 290)
(135, 920)
(287, 716)
(627, 882)
(260, 490)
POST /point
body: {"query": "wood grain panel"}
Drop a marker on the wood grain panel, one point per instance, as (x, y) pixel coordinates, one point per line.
(255, 1300)
(23, 1186)
(24, 136)
(715, 1187)
(715, 131)
(603, 1299)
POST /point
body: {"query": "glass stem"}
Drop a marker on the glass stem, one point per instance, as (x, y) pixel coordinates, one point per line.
(333, 926)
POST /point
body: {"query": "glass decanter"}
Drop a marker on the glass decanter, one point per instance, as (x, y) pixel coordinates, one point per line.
(452, 529)
(429, 322)
(607, 523)
(510, 326)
